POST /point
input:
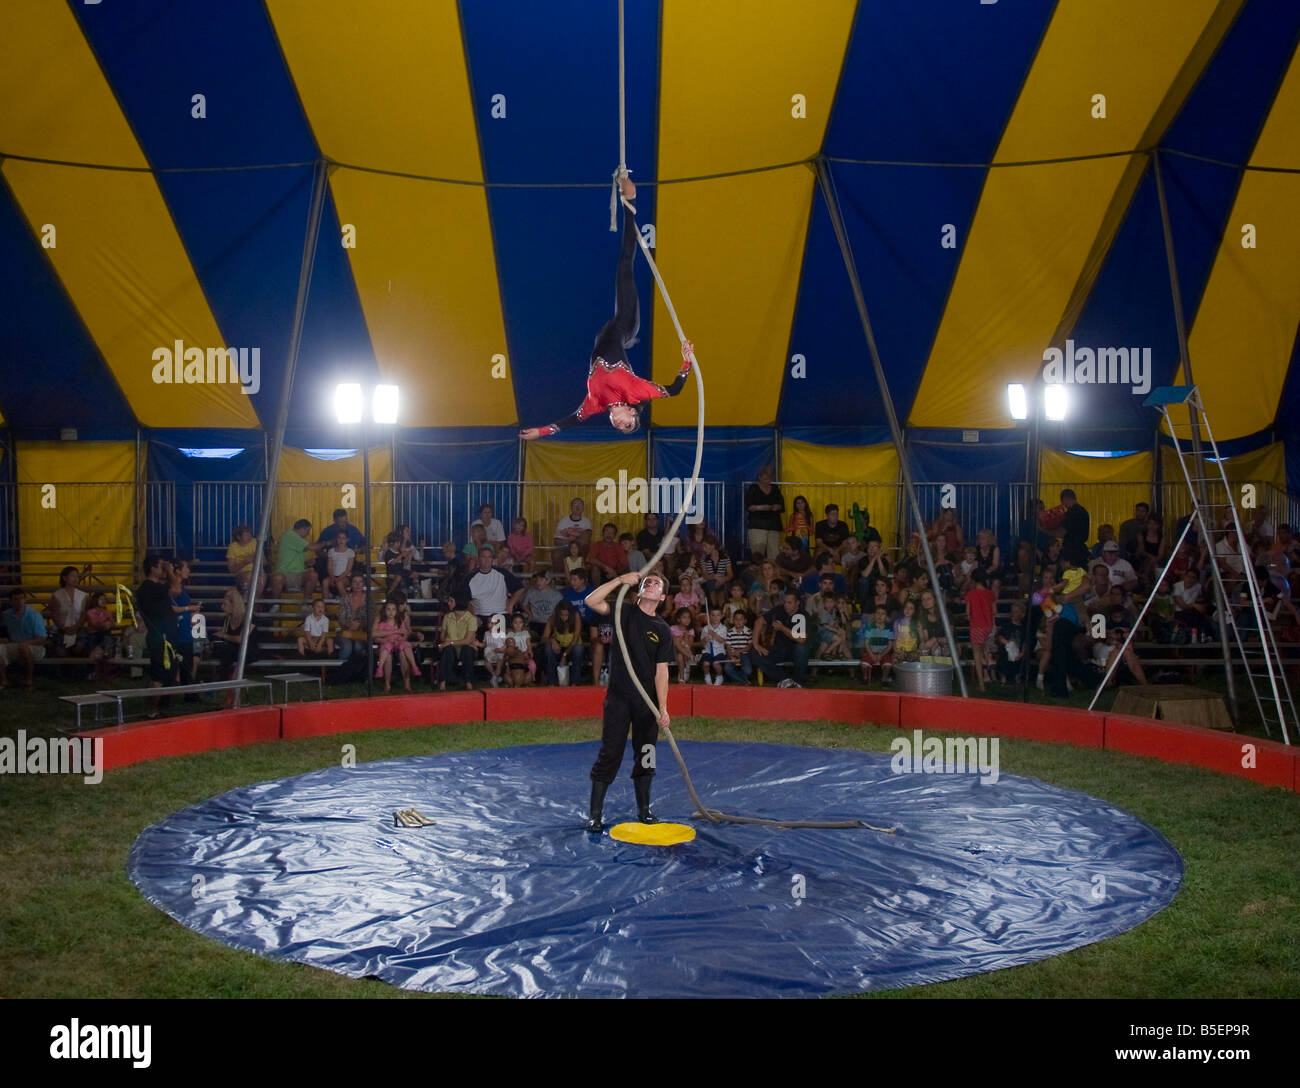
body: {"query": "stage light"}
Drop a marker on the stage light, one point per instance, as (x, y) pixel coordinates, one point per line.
(1018, 401)
(1054, 402)
(347, 402)
(385, 404)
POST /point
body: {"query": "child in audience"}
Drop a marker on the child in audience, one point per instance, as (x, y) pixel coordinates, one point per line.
(877, 647)
(97, 622)
(801, 522)
(979, 607)
(1010, 644)
(563, 636)
(520, 543)
(934, 642)
(907, 636)
(494, 648)
(967, 567)
(715, 648)
(636, 559)
(735, 601)
(739, 643)
(339, 572)
(574, 561)
(689, 598)
(315, 632)
(683, 633)
(518, 652)
(392, 634)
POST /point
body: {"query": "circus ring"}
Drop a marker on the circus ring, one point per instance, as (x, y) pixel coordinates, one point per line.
(504, 895)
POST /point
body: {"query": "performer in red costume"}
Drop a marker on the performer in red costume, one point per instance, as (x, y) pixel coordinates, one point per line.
(612, 385)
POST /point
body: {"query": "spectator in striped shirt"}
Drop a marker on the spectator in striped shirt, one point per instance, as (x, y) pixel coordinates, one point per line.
(715, 568)
(739, 666)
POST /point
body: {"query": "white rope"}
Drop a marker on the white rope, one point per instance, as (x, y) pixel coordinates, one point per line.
(622, 170)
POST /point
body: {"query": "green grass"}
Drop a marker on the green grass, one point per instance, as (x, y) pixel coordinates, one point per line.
(72, 925)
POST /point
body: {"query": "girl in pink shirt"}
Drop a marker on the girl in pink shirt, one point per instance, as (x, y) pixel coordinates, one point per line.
(520, 543)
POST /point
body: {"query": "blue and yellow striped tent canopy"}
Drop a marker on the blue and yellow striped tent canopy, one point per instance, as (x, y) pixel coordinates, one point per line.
(1006, 171)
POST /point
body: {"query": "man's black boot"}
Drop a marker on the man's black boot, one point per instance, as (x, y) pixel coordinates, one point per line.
(642, 787)
(594, 823)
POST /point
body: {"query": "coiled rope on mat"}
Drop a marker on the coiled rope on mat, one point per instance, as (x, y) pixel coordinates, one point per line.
(710, 814)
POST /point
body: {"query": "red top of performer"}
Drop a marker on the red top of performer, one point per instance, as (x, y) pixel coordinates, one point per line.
(612, 385)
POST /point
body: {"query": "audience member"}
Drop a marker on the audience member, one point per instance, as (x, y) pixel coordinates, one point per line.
(764, 504)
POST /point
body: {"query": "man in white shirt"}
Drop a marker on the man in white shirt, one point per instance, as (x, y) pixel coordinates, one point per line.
(1121, 570)
(573, 527)
(493, 590)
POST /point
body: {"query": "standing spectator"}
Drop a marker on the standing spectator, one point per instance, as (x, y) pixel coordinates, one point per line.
(457, 641)
(315, 633)
(1074, 528)
(1132, 530)
(607, 556)
(154, 607)
(764, 504)
(574, 526)
(520, 542)
(683, 632)
(354, 624)
(291, 571)
(66, 608)
(800, 525)
(831, 533)
(341, 559)
(787, 645)
(183, 609)
(25, 629)
(979, 605)
(492, 526)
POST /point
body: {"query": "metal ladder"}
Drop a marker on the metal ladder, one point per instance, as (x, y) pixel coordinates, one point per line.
(1216, 516)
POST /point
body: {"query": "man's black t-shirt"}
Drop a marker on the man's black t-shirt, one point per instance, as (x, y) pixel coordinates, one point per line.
(769, 520)
(649, 643)
(781, 642)
(649, 541)
(832, 535)
(154, 603)
(1076, 525)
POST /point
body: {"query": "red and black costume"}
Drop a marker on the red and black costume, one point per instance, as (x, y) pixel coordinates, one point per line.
(611, 380)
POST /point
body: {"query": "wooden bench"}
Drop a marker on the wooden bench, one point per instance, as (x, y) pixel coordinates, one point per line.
(120, 695)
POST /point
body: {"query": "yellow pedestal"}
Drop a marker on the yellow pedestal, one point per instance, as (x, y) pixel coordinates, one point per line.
(662, 834)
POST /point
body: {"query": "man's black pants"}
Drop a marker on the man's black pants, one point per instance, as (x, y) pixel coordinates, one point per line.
(622, 712)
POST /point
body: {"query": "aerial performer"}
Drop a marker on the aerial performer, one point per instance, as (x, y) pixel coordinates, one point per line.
(612, 384)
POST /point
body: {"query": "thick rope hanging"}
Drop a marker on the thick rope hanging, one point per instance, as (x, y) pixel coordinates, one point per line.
(712, 815)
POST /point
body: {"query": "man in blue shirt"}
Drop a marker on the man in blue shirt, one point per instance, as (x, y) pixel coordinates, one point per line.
(24, 630)
(600, 632)
(825, 568)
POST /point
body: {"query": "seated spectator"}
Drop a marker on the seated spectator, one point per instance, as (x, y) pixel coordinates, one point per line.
(875, 643)
(800, 525)
(828, 609)
(761, 587)
(793, 561)
(354, 623)
(1132, 530)
(476, 543)
(714, 649)
(1097, 598)
(944, 535)
(693, 538)
(453, 580)
(607, 557)
(314, 635)
(825, 566)
(1011, 635)
(291, 570)
(913, 559)
(25, 638)
(649, 539)
(907, 634)
(789, 627)
(492, 527)
(521, 669)
(1021, 570)
(226, 643)
(65, 611)
(393, 640)
(1105, 533)
(1150, 553)
(97, 627)
(457, 641)
(689, 598)
(636, 558)
(398, 556)
(739, 666)
(341, 559)
(328, 536)
(874, 570)
(1121, 571)
(851, 557)
(574, 561)
(539, 601)
(562, 644)
(491, 590)
(934, 643)
(1129, 669)
(831, 533)
(988, 559)
(880, 598)
(574, 527)
(520, 543)
(1191, 609)
(239, 558)
(715, 568)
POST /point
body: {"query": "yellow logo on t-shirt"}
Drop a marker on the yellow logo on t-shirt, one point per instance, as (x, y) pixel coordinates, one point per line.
(652, 636)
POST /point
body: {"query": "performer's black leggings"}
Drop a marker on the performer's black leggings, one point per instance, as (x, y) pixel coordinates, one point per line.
(620, 330)
(622, 711)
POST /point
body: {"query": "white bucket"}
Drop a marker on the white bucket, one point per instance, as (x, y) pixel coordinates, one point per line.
(563, 672)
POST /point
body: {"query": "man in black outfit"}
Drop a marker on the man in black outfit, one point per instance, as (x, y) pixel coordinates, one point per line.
(1074, 530)
(650, 646)
(153, 604)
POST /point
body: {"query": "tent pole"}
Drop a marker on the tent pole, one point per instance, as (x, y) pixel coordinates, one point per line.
(314, 213)
(1184, 358)
(832, 205)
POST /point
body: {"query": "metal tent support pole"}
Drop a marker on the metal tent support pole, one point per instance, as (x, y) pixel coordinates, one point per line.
(832, 205)
(365, 497)
(315, 210)
(1202, 499)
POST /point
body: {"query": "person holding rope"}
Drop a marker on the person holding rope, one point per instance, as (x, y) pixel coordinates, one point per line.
(650, 647)
(612, 385)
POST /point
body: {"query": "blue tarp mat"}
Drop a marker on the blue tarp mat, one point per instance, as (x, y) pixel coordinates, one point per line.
(506, 895)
